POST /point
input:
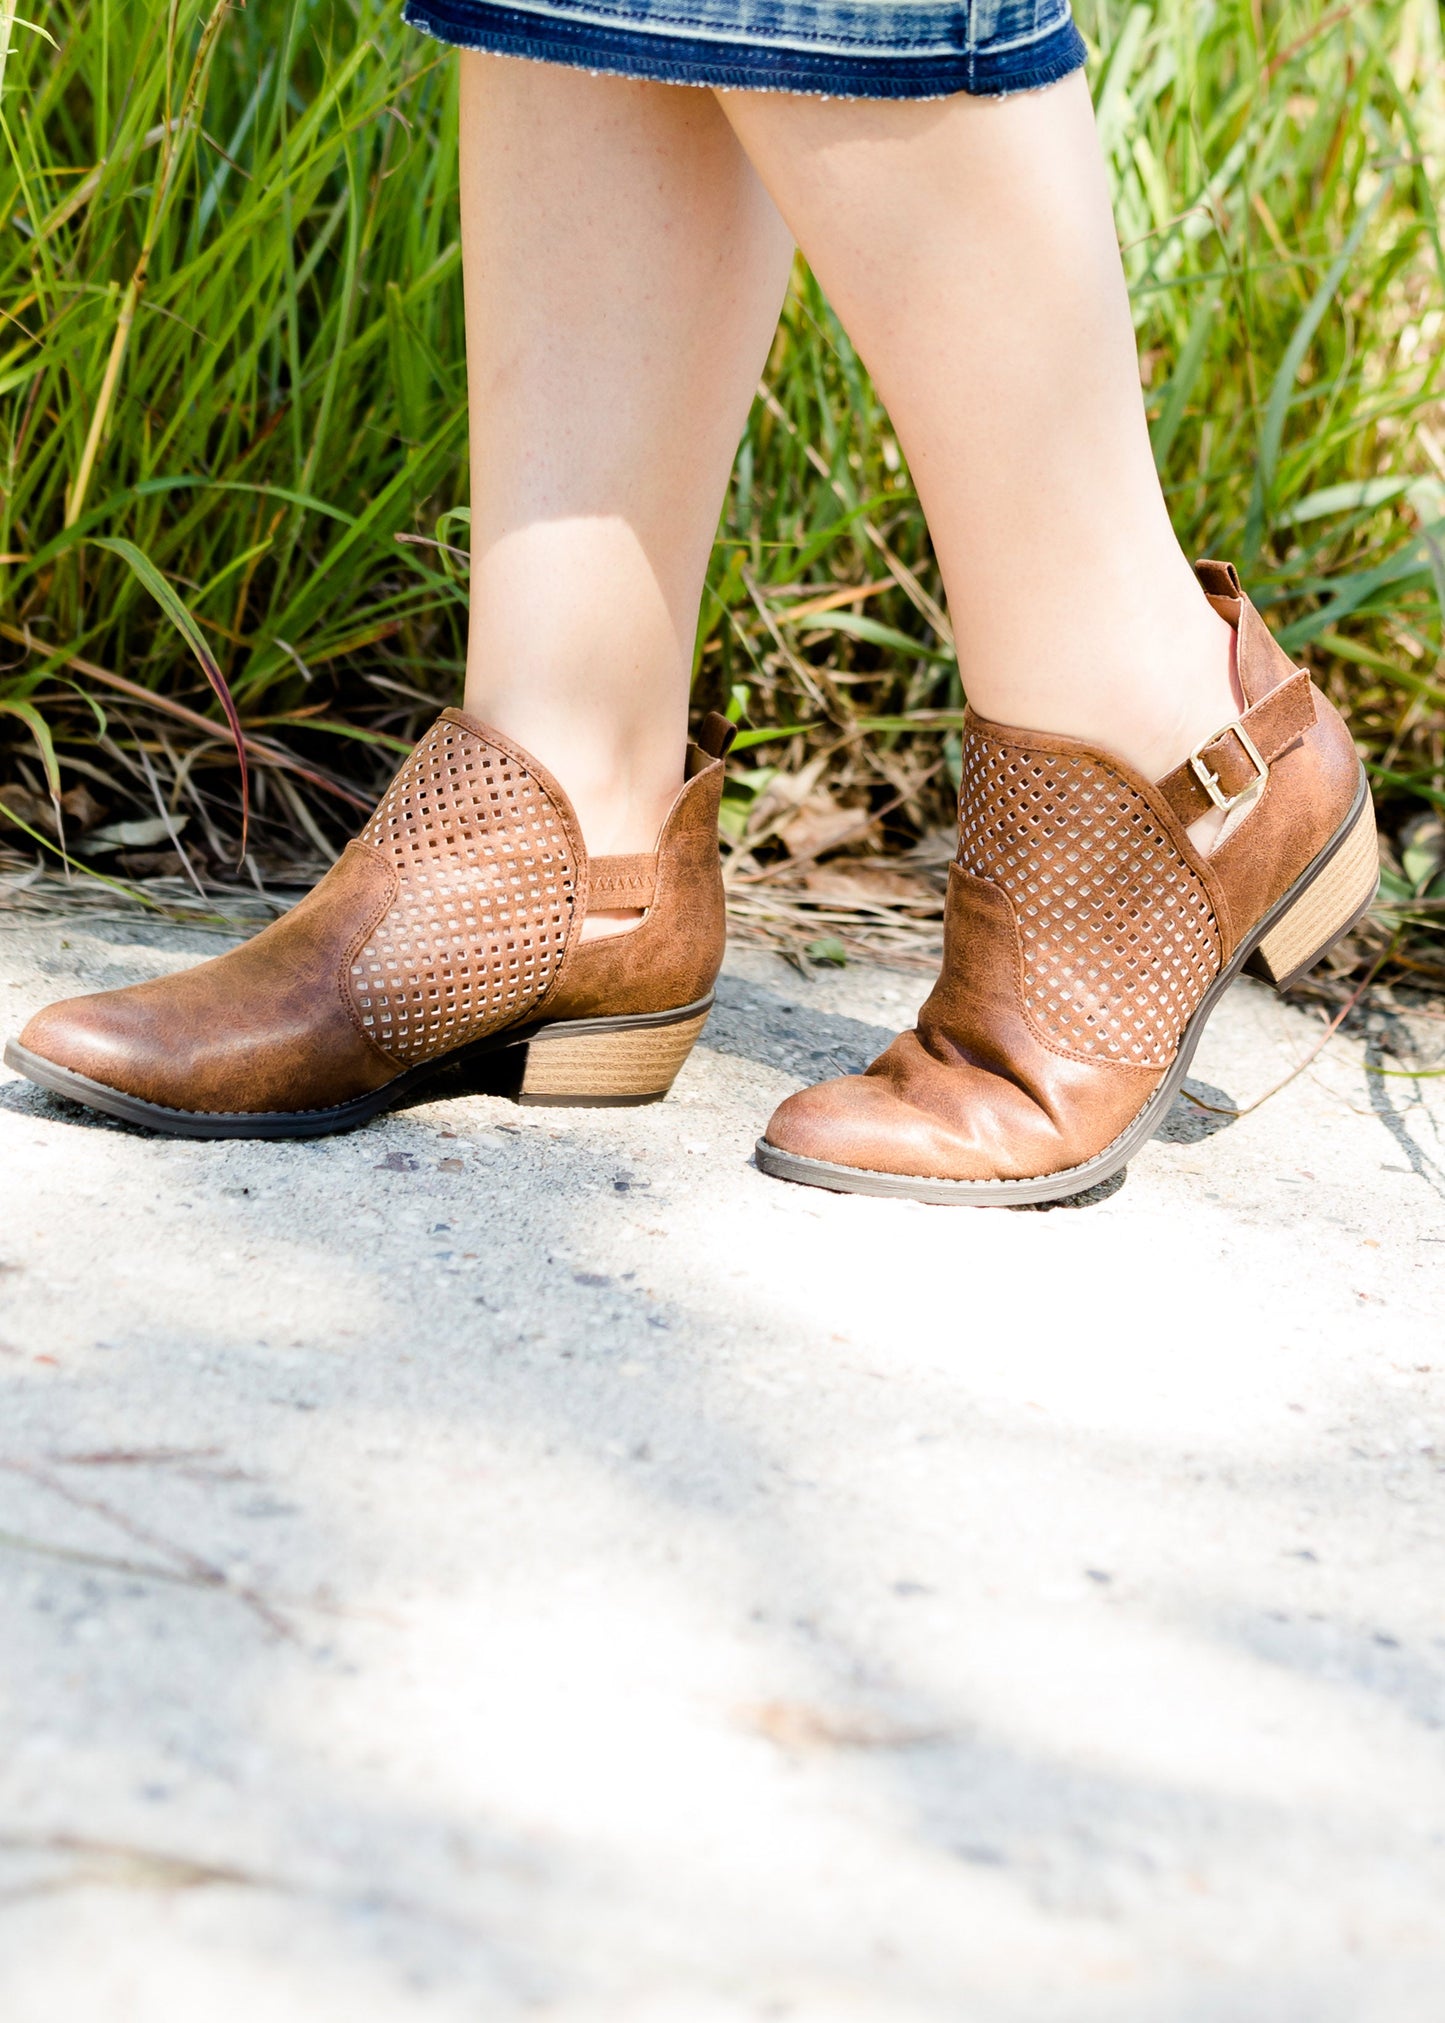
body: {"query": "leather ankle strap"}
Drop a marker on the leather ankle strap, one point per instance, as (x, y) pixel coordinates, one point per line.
(614, 883)
(1271, 726)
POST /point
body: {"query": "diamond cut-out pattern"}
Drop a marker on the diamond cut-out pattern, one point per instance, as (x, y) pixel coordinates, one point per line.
(487, 892)
(1118, 935)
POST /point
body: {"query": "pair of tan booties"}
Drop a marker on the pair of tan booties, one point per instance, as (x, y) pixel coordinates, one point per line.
(1086, 943)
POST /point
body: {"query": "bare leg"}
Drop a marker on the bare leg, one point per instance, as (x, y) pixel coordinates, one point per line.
(968, 247)
(624, 270)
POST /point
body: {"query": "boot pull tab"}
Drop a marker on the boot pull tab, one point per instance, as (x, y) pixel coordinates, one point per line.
(716, 735)
(1221, 585)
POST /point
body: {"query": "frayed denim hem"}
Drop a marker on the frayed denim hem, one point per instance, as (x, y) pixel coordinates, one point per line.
(754, 65)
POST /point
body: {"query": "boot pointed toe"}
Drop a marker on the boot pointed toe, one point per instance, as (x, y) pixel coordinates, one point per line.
(89, 1036)
(862, 1122)
(915, 1116)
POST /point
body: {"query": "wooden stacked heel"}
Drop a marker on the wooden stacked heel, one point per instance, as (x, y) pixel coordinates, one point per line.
(600, 1064)
(1328, 907)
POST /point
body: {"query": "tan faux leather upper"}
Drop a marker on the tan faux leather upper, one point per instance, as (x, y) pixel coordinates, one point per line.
(265, 1027)
(673, 955)
(1082, 931)
(453, 916)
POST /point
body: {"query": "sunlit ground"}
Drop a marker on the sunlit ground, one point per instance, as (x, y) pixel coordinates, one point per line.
(514, 1563)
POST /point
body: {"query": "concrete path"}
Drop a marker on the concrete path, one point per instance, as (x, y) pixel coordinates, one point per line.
(525, 1564)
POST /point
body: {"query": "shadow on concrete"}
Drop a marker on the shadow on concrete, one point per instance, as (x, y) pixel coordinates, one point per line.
(1397, 1100)
(1059, 1836)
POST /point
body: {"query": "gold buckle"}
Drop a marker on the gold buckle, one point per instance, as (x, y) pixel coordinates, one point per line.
(1209, 779)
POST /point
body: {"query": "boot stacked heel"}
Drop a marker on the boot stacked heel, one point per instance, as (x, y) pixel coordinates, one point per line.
(595, 1064)
(1335, 898)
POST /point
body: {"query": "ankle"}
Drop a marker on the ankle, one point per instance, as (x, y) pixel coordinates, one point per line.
(1202, 695)
(620, 815)
(1205, 696)
(1148, 691)
(621, 789)
(1141, 669)
(621, 781)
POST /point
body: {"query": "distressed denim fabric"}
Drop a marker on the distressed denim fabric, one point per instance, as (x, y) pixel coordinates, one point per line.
(831, 48)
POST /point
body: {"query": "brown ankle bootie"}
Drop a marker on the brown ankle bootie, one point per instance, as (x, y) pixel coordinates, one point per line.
(449, 931)
(1087, 941)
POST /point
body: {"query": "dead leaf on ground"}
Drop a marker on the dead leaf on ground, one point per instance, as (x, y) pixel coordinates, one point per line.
(116, 1865)
(819, 825)
(81, 809)
(135, 1457)
(846, 883)
(794, 1724)
(19, 805)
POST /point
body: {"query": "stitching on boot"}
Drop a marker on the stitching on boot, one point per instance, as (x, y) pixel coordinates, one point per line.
(1118, 934)
(357, 943)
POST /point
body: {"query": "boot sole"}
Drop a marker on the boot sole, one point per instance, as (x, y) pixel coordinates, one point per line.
(1333, 894)
(602, 1063)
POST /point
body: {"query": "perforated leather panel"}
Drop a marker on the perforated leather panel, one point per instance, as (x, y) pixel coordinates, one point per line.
(487, 892)
(1118, 934)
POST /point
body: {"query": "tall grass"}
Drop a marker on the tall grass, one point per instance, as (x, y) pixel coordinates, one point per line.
(232, 412)
(233, 339)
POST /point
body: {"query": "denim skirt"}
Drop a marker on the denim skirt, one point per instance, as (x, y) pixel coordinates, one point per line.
(829, 48)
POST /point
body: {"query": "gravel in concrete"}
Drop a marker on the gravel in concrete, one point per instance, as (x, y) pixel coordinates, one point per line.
(510, 1564)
